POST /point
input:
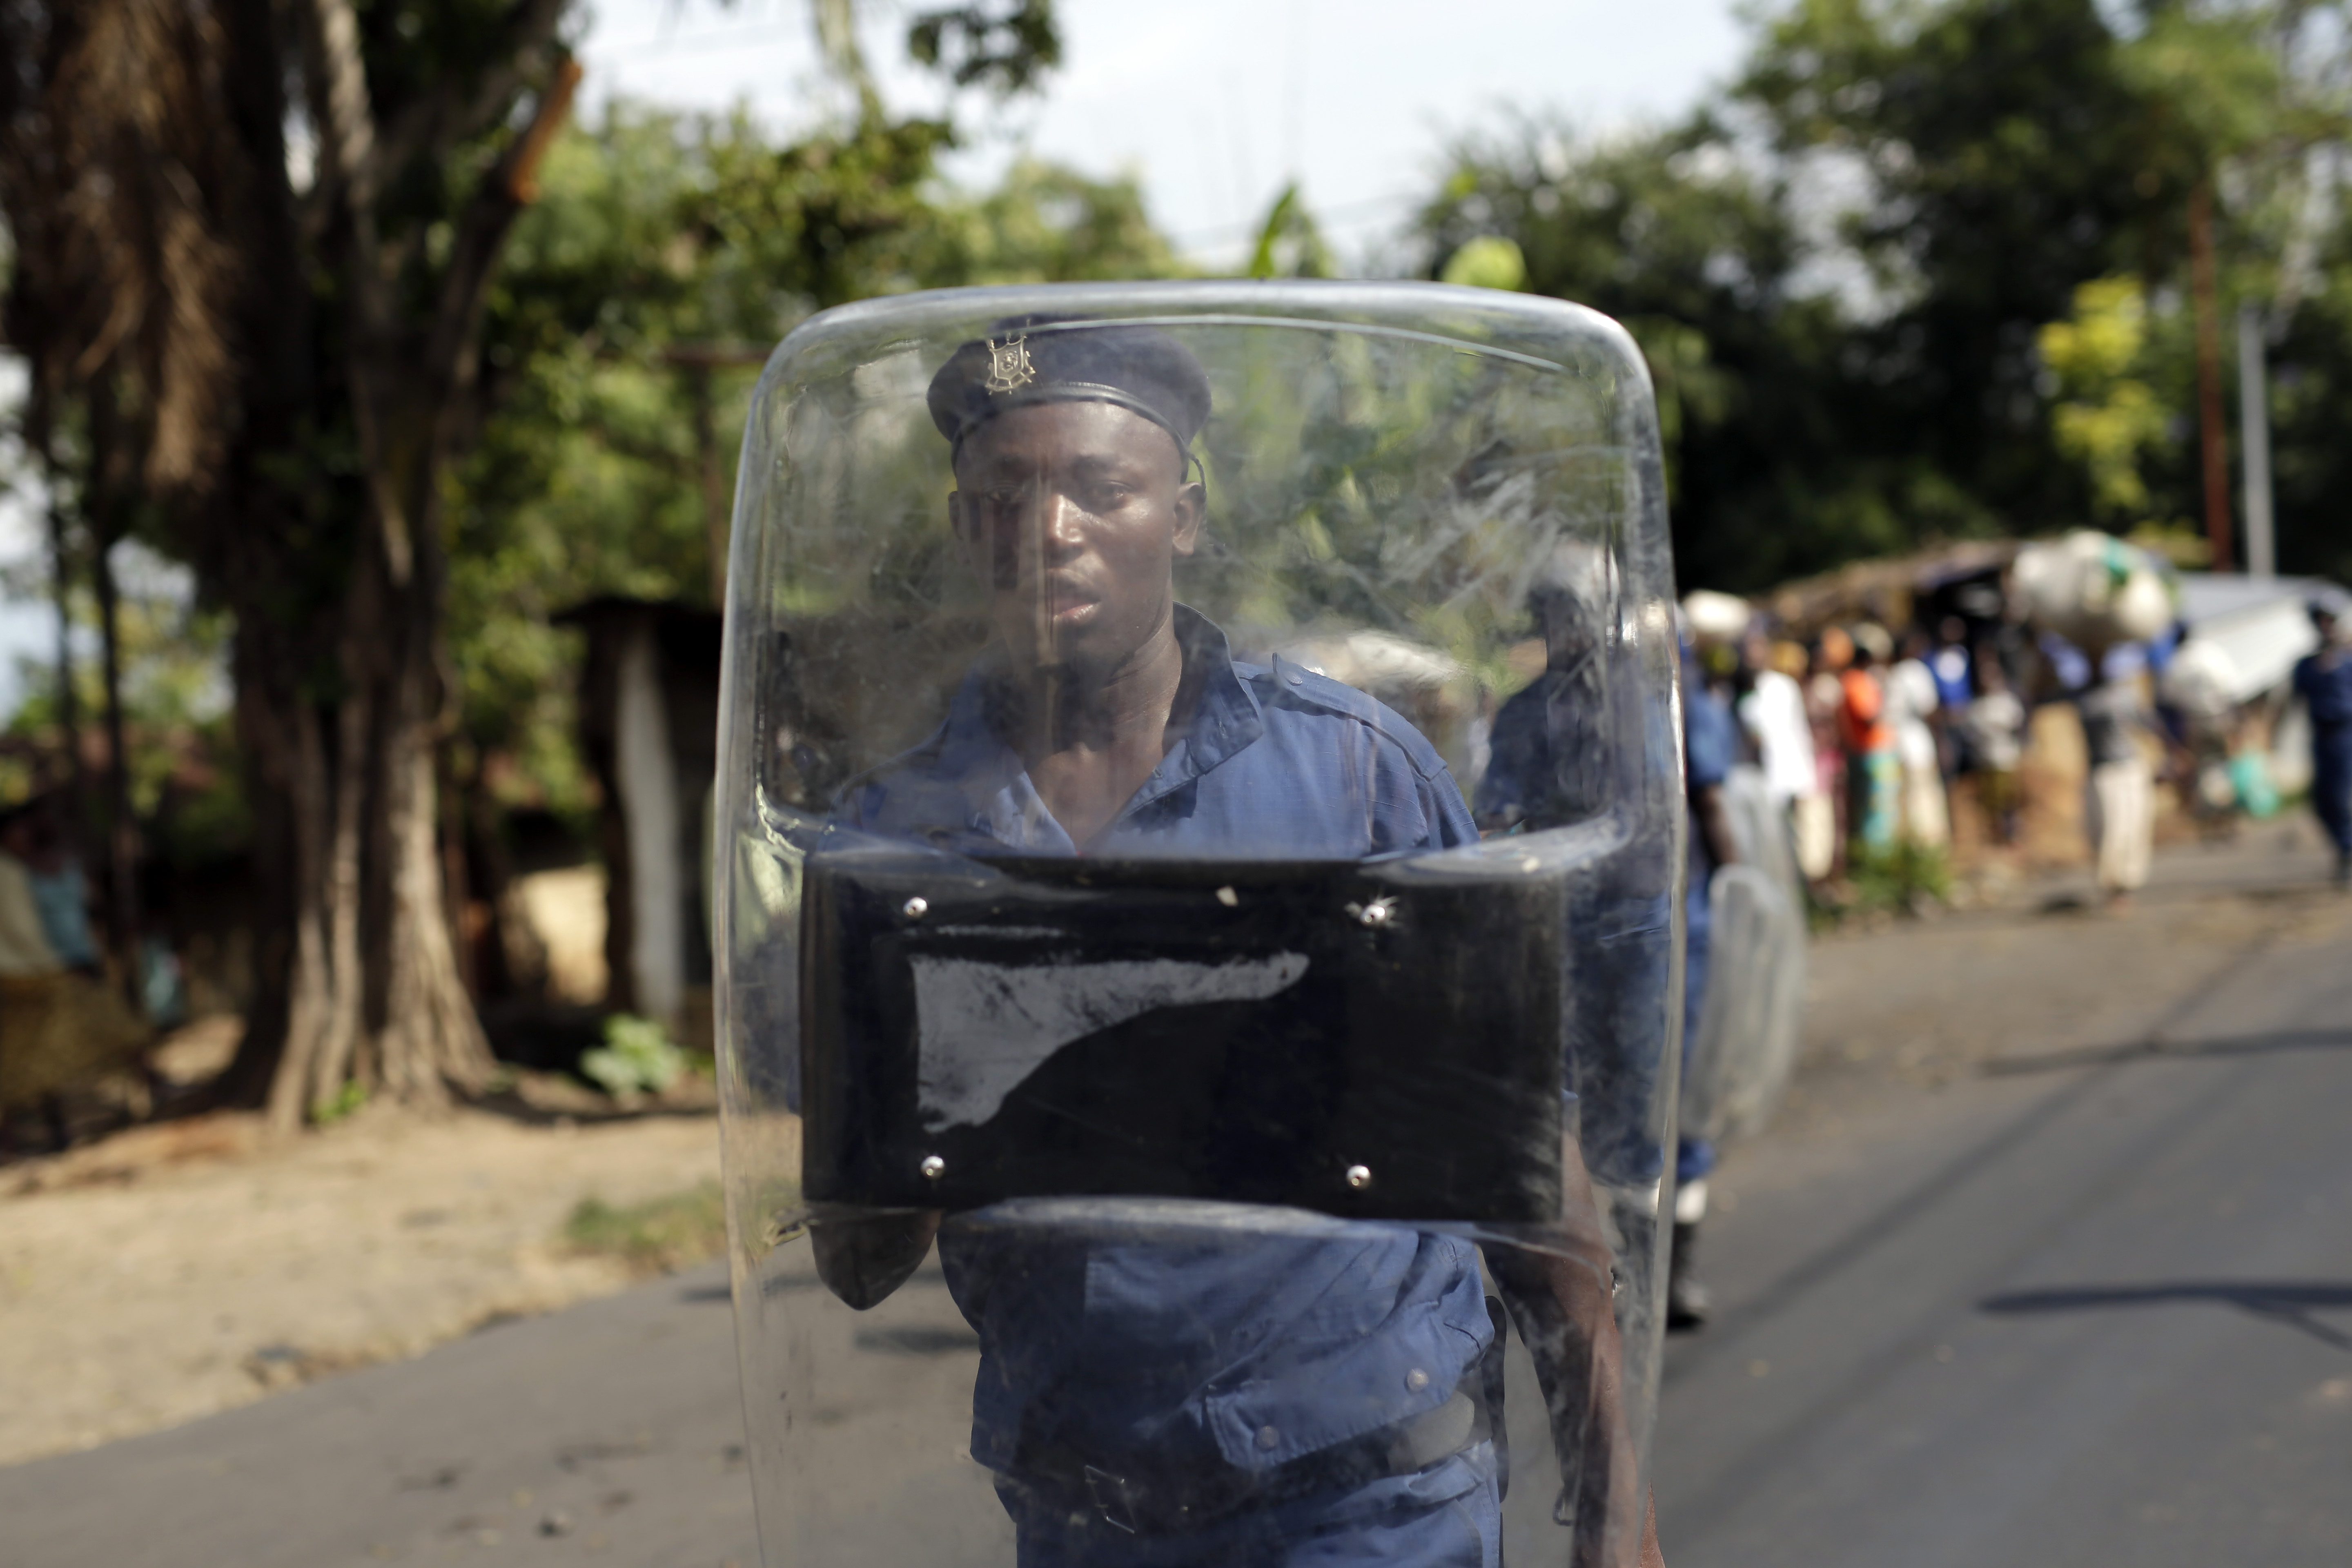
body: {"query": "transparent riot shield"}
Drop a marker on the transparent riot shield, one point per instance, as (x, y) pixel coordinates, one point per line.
(1761, 826)
(1749, 1023)
(1199, 825)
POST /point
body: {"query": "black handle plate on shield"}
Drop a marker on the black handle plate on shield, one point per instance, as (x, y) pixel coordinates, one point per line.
(1313, 1035)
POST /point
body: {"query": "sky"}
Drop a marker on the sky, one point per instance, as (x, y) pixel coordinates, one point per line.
(1214, 105)
(1217, 104)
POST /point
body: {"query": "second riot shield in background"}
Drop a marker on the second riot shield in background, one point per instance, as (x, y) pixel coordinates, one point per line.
(1199, 827)
(1739, 1065)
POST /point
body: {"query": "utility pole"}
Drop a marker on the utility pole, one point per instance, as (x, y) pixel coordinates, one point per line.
(2212, 443)
(2254, 439)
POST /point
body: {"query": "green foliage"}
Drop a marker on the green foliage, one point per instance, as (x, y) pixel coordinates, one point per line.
(636, 1057)
(657, 1236)
(1007, 48)
(1857, 282)
(345, 1101)
(1289, 243)
(1489, 261)
(659, 236)
(1903, 878)
(2106, 415)
(1697, 250)
(1045, 224)
(185, 783)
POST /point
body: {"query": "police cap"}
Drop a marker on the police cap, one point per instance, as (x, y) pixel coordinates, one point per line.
(1027, 360)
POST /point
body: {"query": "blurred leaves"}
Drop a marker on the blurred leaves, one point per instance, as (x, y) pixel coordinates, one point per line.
(636, 1057)
(2106, 413)
(667, 246)
(1860, 277)
(1006, 47)
(1489, 261)
(1289, 243)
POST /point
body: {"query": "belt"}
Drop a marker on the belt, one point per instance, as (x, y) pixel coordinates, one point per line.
(1185, 1501)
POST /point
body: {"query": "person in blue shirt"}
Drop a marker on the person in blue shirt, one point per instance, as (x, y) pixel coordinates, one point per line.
(2323, 678)
(1181, 1384)
(1710, 747)
(1548, 767)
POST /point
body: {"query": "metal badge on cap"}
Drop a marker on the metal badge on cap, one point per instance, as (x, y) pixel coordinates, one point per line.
(1008, 369)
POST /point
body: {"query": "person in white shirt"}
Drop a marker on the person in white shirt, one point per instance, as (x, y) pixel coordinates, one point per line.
(1926, 819)
(1772, 712)
(1995, 728)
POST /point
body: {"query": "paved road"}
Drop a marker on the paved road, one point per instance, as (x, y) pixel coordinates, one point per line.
(2049, 1261)
(611, 1433)
(2089, 1305)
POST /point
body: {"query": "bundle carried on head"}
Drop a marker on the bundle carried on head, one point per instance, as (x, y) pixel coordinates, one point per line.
(2093, 590)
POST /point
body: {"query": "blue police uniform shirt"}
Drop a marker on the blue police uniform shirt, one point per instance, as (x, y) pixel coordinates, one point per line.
(1275, 761)
(1553, 759)
(1710, 745)
(1548, 754)
(2324, 681)
(1154, 1341)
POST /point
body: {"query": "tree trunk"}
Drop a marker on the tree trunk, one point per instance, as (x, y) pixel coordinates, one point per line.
(341, 700)
(122, 920)
(374, 996)
(68, 699)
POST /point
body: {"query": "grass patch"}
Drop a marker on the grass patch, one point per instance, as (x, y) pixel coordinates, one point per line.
(652, 1237)
(1902, 879)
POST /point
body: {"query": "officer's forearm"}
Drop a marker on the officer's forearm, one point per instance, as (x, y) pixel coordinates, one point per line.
(1561, 1297)
(861, 1260)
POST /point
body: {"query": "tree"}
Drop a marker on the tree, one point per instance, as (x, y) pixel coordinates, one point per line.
(1697, 250)
(659, 238)
(1845, 274)
(292, 355)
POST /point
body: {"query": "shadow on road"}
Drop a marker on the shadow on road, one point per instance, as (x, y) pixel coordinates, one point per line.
(918, 1340)
(2291, 1303)
(2234, 1046)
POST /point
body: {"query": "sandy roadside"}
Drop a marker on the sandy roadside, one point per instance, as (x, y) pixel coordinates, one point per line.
(188, 1268)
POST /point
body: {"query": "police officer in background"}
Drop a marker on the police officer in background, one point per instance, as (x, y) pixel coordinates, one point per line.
(2323, 678)
(1548, 768)
(1105, 718)
(1710, 747)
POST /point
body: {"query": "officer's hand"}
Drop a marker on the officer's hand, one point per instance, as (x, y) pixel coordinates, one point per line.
(863, 1260)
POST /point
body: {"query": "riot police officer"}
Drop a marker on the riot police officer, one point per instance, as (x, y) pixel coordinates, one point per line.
(2323, 678)
(937, 963)
(1327, 1393)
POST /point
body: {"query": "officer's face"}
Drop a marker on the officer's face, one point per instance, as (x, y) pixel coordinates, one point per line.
(1073, 514)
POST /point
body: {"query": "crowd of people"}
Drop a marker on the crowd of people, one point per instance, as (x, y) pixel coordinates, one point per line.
(1862, 739)
(1865, 740)
(1861, 742)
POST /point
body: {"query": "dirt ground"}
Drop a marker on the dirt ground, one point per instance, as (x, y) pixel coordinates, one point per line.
(187, 1267)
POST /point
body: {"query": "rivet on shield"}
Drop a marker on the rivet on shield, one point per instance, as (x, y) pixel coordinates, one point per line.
(1374, 914)
(1359, 1176)
(916, 908)
(933, 1167)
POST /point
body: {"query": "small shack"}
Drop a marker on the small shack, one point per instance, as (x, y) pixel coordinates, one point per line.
(649, 727)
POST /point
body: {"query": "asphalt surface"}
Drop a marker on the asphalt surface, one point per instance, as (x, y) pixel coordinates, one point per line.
(2091, 1304)
(2066, 1279)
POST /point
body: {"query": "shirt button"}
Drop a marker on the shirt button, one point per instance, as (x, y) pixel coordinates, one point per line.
(1267, 1437)
(1416, 1380)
